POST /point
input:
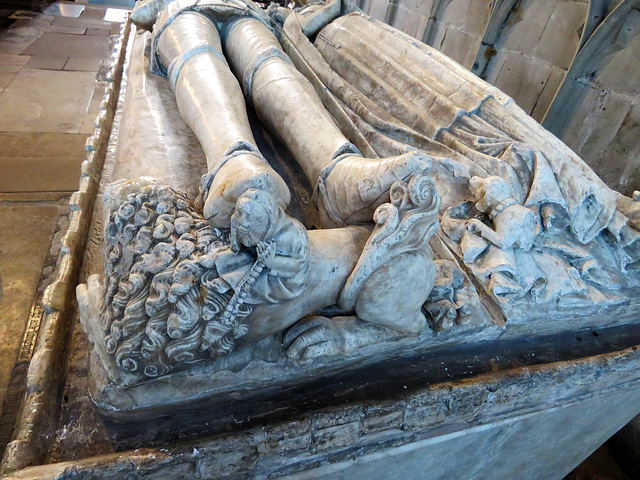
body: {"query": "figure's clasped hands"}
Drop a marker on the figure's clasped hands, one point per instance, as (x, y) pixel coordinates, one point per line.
(266, 253)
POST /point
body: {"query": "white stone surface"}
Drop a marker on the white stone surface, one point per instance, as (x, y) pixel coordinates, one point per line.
(26, 106)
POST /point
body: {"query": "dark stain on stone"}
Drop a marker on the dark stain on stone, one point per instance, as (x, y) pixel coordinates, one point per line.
(515, 16)
(490, 52)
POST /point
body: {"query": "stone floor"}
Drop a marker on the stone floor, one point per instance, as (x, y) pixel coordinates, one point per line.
(52, 80)
(52, 69)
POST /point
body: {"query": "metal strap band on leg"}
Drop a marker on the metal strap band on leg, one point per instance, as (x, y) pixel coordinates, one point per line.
(273, 52)
(175, 67)
(164, 20)
(208, 8)
(237, 149)
(347, 150)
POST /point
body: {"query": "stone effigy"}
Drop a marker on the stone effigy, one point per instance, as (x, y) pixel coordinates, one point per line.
(445, 209)
(350, 390)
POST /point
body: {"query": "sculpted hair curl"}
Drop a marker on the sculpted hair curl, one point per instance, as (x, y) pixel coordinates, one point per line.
(158, 298)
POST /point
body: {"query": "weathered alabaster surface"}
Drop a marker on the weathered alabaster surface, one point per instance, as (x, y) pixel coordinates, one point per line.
(447, 214)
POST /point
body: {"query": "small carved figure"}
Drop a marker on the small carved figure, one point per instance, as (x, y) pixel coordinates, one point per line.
(514, 226)
(281, 243)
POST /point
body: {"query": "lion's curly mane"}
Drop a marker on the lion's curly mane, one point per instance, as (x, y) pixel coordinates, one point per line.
(162, 307)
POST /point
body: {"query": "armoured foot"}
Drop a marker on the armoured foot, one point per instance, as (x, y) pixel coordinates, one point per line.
(220, 190)
(353, 187)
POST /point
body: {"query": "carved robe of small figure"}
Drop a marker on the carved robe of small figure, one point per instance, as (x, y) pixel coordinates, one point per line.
(514, 226)
(281, 244)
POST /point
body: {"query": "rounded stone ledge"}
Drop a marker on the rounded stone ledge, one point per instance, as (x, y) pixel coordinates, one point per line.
(496, 412)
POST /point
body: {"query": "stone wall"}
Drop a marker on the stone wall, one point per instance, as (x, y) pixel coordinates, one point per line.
(571, 64)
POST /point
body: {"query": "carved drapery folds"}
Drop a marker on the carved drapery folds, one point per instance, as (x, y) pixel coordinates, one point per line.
(520, 209)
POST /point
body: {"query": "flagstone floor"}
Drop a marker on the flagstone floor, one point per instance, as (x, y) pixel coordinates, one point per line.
(52, 80)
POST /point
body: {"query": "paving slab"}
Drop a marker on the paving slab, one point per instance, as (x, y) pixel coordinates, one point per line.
(88, 124)
(67, 45)
(33, 197)
(98, 31)
(40, 162)
(16, 144)
(31, 174)
(115, 14)
(115, 28)
(47, 63)
(83, 64)
(65, 10)
(23, 14)
(21, 263)
(46, 101)
(42, 110)
(97, 97)
(5, 79)
(70, 30)
(74, 22)
(21, 34)
(12, 63)
(90, 17)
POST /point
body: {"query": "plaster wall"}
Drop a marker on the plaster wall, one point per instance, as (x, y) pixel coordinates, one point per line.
(604, 126)
(455, 27)
(534, 51)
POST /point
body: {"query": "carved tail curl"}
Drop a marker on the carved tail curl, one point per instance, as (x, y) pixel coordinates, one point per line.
(405, 225)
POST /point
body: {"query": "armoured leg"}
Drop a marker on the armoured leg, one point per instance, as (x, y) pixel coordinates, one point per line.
(211, 102)
(349, 187)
